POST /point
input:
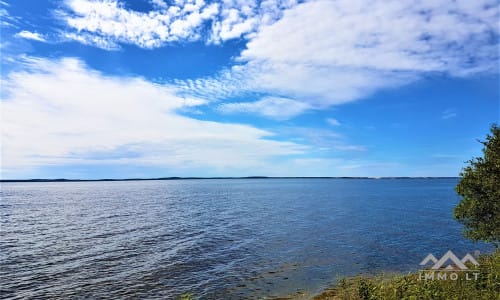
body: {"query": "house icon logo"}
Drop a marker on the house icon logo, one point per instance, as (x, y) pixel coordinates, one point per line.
(449, 262)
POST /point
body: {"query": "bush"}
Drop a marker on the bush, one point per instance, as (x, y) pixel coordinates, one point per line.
(409, 286)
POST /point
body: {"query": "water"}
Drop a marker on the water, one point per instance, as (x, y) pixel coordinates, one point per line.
(217, 239)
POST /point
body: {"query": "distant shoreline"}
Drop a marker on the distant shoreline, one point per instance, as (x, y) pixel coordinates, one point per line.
(211, 178)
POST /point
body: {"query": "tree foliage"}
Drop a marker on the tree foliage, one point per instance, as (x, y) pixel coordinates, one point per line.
(479, 186)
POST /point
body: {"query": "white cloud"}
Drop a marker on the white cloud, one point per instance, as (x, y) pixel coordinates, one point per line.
(332, 121)
(381, 35)
(440, 35)
(160, 4)
(332, 52)
(111, 21)
(449, 114)
(31, 36)
(324, 141)
(340, 167)
(60, 112)
(91, 40)
(244, 18)
(179, 21)
(322, 53)
(350, 148)
(6, 20)
(271, 107)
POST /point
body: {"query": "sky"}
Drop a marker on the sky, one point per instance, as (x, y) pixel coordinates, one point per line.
(158, 88)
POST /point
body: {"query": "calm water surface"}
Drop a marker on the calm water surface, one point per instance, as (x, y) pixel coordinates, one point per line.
(218, 239)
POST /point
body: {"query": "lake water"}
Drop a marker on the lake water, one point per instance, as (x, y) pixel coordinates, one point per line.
(217, 239)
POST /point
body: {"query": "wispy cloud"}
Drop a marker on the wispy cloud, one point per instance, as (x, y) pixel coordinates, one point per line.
(361, 47)
(91, 40)
(31, 36)
(322, 140)
(332, 121)
(85, 117)
(271, 107)
(304, 56)
(6, 20)
(449, 113)
(358, 48)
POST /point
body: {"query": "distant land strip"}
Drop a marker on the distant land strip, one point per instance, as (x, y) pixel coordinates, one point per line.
(211, 178)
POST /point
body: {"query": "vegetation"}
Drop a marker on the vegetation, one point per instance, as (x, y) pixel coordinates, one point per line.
(186, 296)
(479, 212)
(479, 186)
(411, 286)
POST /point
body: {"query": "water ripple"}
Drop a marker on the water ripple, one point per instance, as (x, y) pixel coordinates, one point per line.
(217, 239)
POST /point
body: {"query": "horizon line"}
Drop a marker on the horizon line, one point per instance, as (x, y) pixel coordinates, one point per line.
(223, 177)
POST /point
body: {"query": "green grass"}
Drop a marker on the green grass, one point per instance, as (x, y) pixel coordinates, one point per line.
(186, 296)
(410, 286)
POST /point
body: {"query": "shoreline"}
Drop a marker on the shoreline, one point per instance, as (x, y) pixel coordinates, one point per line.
(392, 286)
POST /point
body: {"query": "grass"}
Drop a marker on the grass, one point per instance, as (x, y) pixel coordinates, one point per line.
(186, 296)
(411, 286)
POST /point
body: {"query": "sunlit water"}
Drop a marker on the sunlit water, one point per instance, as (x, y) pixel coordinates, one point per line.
(217, 239)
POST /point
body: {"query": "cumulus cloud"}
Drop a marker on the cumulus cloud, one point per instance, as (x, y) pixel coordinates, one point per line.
(160, 4)
(111, 21)
(31, 36)
(241, 18)
(271, 107)
(321, 53)
(60, 112)
(332, 52)
(383, 35)
(179, 21)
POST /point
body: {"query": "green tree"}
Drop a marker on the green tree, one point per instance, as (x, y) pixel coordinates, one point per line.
(479, 186)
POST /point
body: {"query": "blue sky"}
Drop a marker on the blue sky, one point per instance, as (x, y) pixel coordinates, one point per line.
(149, 88)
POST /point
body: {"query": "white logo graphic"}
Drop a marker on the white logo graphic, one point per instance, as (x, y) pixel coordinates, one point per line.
(455, 265)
